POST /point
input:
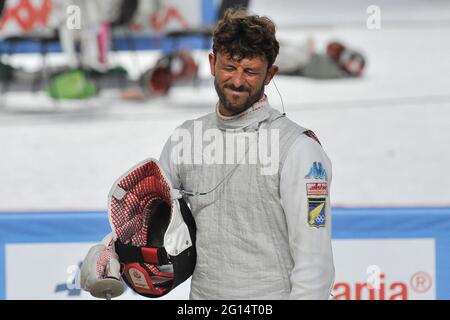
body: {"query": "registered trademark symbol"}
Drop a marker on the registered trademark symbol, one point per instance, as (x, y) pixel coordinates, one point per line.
(420, 282)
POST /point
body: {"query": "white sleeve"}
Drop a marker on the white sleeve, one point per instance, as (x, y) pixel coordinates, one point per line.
(169, 166)
(304, 188)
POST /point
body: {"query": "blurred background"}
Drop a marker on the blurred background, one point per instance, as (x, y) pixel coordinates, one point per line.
(90, 88)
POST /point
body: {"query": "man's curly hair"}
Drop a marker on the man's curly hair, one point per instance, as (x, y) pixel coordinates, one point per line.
(241, 36)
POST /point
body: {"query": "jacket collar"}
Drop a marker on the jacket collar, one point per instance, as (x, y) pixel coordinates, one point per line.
(246, 120)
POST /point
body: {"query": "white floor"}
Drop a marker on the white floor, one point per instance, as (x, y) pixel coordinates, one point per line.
(387, 134)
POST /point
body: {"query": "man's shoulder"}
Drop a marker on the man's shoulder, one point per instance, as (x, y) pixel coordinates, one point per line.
(283, 123)
(304, 132)
(188, 124)
(290, 124)
(291, 129)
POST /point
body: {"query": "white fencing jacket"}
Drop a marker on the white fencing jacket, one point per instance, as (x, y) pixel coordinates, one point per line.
(262, 206)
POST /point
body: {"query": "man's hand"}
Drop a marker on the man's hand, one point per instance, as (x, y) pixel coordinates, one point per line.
(100, 272)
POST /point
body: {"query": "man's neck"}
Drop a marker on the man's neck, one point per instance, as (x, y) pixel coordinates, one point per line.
(226, 113)
(254, 107)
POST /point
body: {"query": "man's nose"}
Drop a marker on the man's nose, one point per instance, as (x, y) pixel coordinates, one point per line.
(237, 79)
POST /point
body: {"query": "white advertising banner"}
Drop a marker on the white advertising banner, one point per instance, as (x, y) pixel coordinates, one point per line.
(369, 269)
(50, 271)
(385, 269)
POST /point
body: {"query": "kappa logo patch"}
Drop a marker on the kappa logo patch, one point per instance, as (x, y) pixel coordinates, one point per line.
(317, 189)
(316, 212)
(317, 171)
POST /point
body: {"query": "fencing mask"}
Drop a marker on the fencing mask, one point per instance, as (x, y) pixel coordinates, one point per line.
(153, 230)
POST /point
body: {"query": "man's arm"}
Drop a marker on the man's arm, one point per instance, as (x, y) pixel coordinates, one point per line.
(168, 165)
(304, 189)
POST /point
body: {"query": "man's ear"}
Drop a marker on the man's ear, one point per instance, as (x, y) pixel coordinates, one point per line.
(212, 63)
(270, 74)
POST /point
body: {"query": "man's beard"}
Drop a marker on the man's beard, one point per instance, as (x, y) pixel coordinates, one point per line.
(235, 109)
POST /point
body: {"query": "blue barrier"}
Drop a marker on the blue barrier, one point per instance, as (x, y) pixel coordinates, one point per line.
(122, 43)
(348, 223)
(377, 223)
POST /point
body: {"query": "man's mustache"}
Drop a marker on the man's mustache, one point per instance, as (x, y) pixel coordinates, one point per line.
(239, 89)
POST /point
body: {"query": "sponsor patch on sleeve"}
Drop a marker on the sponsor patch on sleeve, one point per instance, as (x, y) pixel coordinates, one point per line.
(317, 189)
(316, 211)
(317, 171)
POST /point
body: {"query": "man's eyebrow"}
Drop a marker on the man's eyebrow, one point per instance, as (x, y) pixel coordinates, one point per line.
(227, 63)
(234, 62)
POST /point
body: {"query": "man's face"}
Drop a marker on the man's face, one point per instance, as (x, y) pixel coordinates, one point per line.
(239, 84)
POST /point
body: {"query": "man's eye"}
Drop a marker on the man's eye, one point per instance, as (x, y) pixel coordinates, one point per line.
(229, 68)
